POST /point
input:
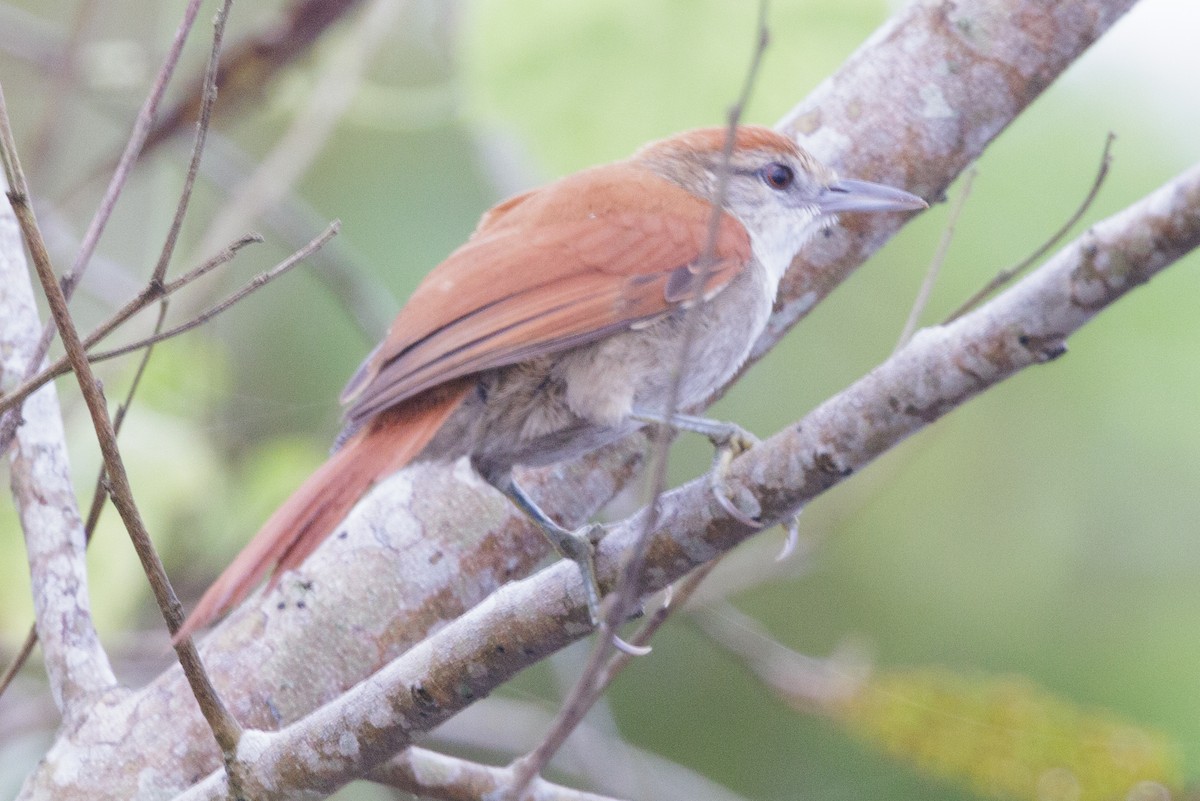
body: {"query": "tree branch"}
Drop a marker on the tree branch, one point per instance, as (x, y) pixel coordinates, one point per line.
(915, 105)
(152, 293)
(428, 774)
(76, 664)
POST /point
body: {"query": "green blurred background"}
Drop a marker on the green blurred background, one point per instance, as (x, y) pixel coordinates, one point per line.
(1047, 529)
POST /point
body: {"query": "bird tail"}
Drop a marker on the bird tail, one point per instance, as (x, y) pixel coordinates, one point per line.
(384, 445)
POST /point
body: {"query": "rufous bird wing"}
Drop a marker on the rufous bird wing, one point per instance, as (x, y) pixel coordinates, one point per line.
(548, 270)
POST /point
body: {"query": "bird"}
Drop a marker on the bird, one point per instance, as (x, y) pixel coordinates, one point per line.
(557, 326)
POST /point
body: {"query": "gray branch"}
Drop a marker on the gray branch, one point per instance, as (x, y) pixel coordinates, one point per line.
(76, 665)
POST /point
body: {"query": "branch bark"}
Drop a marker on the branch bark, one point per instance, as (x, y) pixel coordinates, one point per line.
(428, 774)
(76, 665)
(918, 103)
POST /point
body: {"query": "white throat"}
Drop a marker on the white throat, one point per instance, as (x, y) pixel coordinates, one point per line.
(778, 241)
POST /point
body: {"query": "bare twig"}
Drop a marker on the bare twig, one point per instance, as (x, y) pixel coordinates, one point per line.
(1005, 276)
(91, 238)
(208, 98)
(939, 258)
(429, 774)
(676, 596)
(133, 148)
(599, 668)
(77, 667)
(100, 493)
(583, 696)
(225, 729)
(150, 294)
(19, 659)
(256, 283)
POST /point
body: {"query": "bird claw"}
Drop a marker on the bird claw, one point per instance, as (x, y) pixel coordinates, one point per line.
(720, 491)
(630, 648)
(730, 444)
(792, 539)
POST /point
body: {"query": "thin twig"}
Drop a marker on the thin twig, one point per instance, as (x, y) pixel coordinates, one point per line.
(208, 98)
(935, 264)
(1007, 275)
(153, 293)
(602, 667)
(256, 283)
(677, 596)
(133, 148)
(428, 774)
(817, 685)
(225, 728)
(141, 128)
(99, 496)
(626, 591)
(589, 685)
(150, 294)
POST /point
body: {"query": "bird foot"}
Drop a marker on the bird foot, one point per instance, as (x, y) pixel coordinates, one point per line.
(731, 441)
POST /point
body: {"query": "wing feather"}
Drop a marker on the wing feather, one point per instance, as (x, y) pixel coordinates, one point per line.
(551, 269)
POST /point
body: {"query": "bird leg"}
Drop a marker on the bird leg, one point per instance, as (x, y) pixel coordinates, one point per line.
(577, 545)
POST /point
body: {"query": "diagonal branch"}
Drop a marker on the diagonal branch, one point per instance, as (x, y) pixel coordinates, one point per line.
(933, 87)
(133, 148)
(150, 294)
(116, 186)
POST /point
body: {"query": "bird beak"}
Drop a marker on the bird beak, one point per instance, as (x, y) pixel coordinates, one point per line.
(848, 195)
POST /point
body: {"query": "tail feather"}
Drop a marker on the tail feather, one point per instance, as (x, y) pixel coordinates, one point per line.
(384, 445)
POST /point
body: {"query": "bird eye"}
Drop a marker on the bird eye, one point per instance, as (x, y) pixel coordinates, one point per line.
(777, 176)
